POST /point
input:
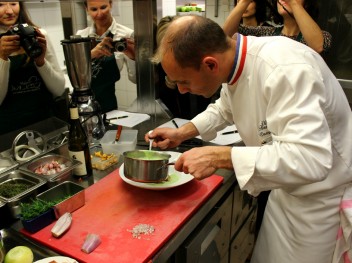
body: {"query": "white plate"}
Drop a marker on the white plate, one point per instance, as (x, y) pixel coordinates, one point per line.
(58, 259)
(176, 178)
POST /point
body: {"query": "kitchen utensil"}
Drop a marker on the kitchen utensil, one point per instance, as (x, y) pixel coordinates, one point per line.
(164, 165)
(118, 133)
(174, 179)
(144, 165)
(150, 141)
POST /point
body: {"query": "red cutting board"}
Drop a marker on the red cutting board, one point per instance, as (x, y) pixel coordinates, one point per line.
(114, 207)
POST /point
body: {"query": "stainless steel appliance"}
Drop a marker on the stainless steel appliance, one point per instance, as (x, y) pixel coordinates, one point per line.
(78, 64)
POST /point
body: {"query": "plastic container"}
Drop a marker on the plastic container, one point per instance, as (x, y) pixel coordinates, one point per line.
(127, 141)
(35, 224)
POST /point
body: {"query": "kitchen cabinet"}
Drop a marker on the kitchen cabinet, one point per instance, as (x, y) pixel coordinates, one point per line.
(227, 234)
(243, 226)
(210, 241)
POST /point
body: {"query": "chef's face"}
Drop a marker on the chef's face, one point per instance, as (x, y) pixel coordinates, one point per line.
(198, 82)
(9, 12)
(100, 11)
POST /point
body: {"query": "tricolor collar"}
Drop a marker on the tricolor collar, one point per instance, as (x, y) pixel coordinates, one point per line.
(240, 57)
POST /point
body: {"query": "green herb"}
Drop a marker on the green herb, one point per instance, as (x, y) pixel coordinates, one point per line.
(38, 207)
(11, 189)
(34, 209)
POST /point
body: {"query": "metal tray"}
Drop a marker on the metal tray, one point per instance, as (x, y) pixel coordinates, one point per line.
(75, 200)
(17, 176)
(64, 174)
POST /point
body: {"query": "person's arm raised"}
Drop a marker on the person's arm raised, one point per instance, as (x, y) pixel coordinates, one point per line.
(310, 30)
(233, 21)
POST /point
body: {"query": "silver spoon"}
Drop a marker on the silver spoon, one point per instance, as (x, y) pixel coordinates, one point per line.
(150, 141)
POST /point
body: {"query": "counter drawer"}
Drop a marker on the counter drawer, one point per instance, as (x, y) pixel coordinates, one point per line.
(242, 244)
(243, 203)
(210, 241)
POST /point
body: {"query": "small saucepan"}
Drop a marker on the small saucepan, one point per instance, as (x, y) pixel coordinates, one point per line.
(146, 166)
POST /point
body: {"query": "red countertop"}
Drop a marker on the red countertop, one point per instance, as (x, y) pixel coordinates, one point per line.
(114, 207)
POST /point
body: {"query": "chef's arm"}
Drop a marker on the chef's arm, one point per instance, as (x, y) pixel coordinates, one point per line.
(233, 21)
(187, 131)
(310, 30)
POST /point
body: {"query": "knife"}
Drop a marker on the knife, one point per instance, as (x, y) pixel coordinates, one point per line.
(118, 133)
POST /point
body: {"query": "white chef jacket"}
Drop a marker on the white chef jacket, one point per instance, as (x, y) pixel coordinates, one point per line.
(118, 31)
(295, 120)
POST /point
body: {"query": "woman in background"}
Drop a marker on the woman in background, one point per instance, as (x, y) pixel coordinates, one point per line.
(106, 62)
(28, 84)
(298, 23)
(255, 14)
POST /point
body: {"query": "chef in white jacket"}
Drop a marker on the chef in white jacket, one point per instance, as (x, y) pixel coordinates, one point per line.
(293, 117)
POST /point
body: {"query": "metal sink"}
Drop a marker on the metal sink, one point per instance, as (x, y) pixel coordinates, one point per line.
(12, 238)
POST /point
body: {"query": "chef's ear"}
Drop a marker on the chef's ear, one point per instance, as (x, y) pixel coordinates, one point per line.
(210, 63)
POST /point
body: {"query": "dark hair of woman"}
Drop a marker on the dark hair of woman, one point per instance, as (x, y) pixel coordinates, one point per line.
(23, 16)
(311, 6)
(261, 11)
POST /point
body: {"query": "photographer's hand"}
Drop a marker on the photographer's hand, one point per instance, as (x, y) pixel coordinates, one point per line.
(129, 52)
(9, 45)
(39, 61)
(103, 48)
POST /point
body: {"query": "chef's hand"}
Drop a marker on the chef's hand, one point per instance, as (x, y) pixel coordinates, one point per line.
(39, 61)
(103, 48)
(9, 45)
(202, 162)
(164, 138)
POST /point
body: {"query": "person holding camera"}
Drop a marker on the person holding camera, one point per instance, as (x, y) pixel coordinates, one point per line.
(30, 73)
(296, 19)
(115, 47)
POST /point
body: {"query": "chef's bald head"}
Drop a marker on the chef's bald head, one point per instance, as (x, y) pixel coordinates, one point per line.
(189, 39)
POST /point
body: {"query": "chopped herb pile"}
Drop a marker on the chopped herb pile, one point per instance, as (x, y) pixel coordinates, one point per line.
(38, 207)
(11, 188)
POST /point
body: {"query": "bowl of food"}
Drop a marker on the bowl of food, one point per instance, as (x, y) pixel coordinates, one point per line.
(146, 166)
(52, 167)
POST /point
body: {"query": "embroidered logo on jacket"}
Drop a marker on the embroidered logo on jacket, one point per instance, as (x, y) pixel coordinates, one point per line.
(264, 133)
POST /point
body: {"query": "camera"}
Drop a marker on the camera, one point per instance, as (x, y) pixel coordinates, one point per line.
(28, 39)
(119, 45)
